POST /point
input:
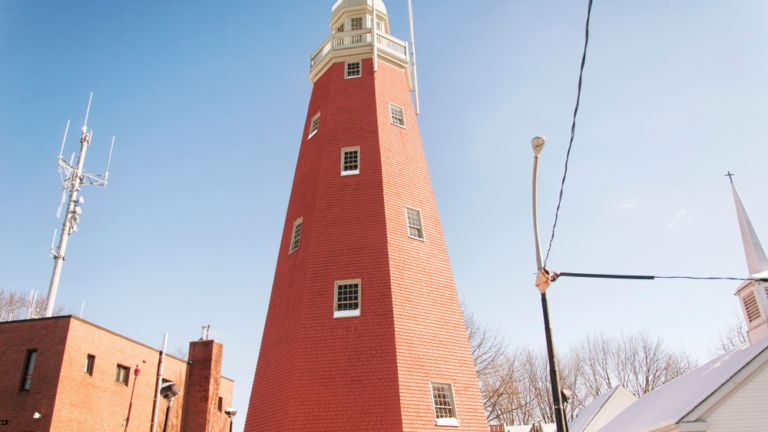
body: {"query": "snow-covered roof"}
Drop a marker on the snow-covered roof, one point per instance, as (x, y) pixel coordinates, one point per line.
(601, 410)
(525, 428)
(670, 403)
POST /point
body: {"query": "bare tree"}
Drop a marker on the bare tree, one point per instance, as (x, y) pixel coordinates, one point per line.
(12, 305)
(731, 337)
(492, 367)
(16, 306)
(637, 361)
(515, 384)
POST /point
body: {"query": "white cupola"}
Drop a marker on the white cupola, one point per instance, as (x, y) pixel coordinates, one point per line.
(752, 294)
(355, 25)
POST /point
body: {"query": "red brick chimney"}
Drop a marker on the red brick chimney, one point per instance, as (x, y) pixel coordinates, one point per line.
(201, 391)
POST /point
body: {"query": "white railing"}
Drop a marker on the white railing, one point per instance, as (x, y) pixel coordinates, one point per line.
(321, 52)
(360, 38)
(351, 39)
(395, 45)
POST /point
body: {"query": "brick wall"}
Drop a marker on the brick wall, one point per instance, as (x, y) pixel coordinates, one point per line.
(315, 371)
(71, 400)
(18, 406)
(431, 339)
(203, 389)
(370, 372)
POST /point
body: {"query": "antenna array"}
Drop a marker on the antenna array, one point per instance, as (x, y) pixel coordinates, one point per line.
(73, 177)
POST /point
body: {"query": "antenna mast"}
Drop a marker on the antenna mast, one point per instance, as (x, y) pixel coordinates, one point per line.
(72, 177)
(413, 58)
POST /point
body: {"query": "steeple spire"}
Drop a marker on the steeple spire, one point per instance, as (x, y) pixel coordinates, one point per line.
(756, 259)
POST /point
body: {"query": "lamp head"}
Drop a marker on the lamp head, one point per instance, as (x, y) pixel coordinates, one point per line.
(231, 412)
(537, 143)
(169, 390)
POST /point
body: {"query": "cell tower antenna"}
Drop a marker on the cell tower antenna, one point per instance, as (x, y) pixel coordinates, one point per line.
(109, 160)
(87, 111)
(31, 300)
(63, 140)
(73, 177)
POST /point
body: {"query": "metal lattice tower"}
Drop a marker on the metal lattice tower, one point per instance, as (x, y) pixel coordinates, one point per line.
(73, 177)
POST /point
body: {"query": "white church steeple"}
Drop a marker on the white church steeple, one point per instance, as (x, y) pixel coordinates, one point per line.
(753, 295)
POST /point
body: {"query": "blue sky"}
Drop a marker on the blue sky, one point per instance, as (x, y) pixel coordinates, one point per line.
(208, 100)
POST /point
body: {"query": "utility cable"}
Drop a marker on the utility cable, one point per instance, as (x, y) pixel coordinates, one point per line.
(555, 275)
(573, 131)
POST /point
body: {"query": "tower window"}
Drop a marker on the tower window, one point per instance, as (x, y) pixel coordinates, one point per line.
(296, 236)
(350, 161)
(396, 113)
(90, 362)
(751, 307)
(415, 229)
(122, 373)
(346, 298)
(353, 70)
(356, 23)
(29, 368)
(340, 28)
(445, 409)
(314, 126)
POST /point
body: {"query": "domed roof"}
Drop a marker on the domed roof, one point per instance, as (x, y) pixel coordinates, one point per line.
(343, 4)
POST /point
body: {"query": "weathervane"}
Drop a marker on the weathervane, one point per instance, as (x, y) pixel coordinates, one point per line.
(73, 177)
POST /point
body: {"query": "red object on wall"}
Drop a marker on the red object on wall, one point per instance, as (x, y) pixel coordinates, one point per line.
(373, 369)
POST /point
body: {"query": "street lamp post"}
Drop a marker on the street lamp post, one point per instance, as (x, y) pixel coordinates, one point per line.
(231, 413)
(168, 391)
(543, 279)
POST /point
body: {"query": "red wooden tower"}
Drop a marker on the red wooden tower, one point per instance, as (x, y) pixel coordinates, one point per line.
(364, 330)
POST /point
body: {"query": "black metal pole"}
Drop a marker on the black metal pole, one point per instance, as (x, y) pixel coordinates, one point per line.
(554, 375)
(167, 411)
(230, 424)
(537, 143)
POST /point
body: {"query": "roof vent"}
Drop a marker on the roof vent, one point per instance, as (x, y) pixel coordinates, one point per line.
(751, 307)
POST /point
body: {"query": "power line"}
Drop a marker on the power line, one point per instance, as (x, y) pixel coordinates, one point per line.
(651, 277)
(573, 131)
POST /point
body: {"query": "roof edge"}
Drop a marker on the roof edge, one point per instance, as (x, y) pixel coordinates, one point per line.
(726, 387)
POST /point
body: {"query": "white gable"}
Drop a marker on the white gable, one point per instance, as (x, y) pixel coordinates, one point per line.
(743, 409)
(668, 404)
(602, 410)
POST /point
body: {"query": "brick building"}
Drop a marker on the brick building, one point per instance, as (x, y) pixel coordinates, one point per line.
(364, 329)
(65, 374)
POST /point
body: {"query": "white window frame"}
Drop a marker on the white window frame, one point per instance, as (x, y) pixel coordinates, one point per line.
(408, 223)
(314, 125)
(392, 115)
(362, 23)
(359, 71)
(444, 421)
(347, 313)
(344, 151)
(298, 223)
